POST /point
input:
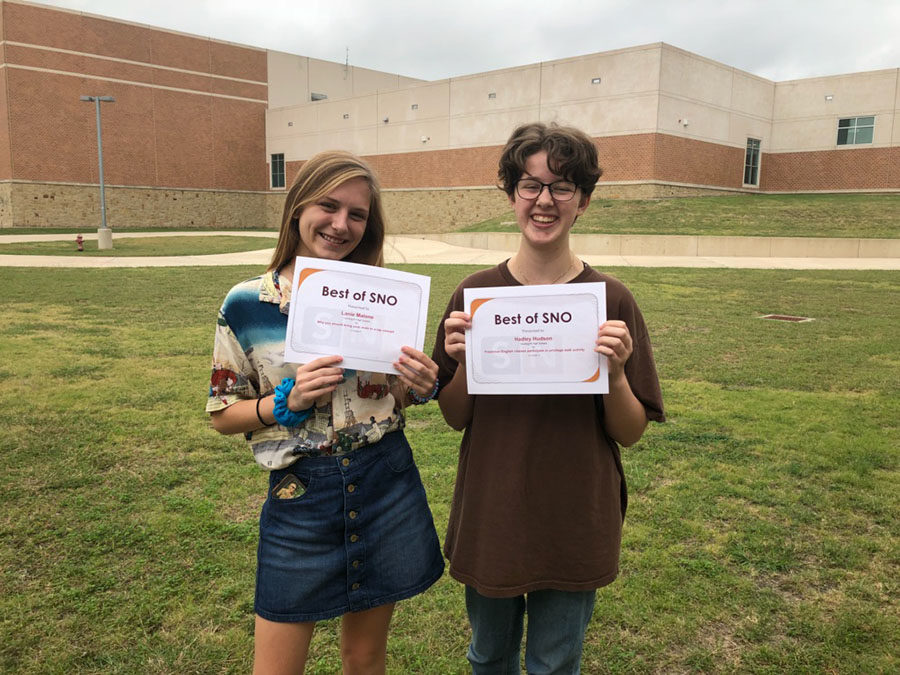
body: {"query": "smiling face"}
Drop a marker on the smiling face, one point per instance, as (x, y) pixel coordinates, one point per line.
(333, 225)
(544, 221)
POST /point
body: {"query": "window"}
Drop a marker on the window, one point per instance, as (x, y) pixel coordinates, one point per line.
(278, 170)
(855, 130)
(751, 162)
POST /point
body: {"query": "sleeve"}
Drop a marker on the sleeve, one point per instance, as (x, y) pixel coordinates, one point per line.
(641, 368)
(233, 377)
(446, 365)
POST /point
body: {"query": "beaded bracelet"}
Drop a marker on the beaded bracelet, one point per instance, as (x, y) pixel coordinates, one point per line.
(284, 415)
(420, 399)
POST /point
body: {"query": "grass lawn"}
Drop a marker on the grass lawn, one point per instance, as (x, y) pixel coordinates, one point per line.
(825, 215)
(763, 532)
(143, 246)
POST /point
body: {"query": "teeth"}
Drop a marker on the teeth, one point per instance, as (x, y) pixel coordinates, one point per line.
(543, 219)
(330, 239)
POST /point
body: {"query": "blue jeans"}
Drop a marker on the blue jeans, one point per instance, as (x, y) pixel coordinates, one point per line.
(557, 621)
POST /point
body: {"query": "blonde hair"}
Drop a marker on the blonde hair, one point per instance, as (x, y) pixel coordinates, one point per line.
(318, 176)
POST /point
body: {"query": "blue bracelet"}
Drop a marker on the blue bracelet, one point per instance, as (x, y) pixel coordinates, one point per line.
(419, 399)
(284, 415)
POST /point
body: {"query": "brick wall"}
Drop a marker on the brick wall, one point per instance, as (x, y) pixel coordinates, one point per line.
(623, 158)
(627, 157)
(845, 169)
(684, 160)
(167, 128)
(5, 166)
(48, 27)
(434, 168)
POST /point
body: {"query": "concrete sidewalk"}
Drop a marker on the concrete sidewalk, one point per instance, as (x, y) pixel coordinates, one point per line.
(409, 249)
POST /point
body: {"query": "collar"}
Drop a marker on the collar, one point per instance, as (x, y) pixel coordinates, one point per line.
(271, 290)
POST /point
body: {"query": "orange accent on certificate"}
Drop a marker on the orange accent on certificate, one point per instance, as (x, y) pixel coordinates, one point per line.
(305, 273)
(535, 340)
(365, 314)
(478, 303)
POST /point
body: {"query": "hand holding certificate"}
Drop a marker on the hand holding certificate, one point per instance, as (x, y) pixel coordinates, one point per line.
(364, 313)
(535, 339)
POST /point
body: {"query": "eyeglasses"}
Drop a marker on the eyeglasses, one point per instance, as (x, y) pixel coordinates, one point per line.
(560, 190)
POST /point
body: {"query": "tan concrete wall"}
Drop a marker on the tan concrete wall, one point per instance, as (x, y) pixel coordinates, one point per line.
(804, 120)
(292, 78)
(623, 102)
(435, 211)
(709, 101)
(658, 190)
(513, 89)
(5, 204)
(694, 77)
(459, 112)
(895, 138)
(414, 211)
(409, 130)
(478, 118)
(685, 245)
(60, 205)
(659, 114)
(288, 79)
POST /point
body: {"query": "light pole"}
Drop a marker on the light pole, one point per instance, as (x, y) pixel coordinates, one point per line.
(104, 234)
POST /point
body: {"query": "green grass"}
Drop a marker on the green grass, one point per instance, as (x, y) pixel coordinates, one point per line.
(143, 246)
(826, 215)
(762, 534)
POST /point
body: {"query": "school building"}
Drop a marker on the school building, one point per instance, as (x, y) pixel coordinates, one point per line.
(205, 133)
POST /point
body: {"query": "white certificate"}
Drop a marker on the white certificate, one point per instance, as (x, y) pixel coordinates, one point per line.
(361, 312)
(536, 339)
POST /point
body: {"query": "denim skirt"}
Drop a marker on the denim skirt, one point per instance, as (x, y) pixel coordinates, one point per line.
(345, 534)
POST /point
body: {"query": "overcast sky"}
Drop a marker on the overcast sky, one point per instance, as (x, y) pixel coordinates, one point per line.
(434, 39)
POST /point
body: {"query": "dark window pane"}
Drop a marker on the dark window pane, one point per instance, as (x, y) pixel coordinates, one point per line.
(842, 136)
(865, 121)
(278, 170)
(751, 162)
(844, 123)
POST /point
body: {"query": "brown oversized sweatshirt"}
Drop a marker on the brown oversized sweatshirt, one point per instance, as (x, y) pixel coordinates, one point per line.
(540, 493)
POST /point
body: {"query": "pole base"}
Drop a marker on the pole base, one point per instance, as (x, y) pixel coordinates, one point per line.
(104, 238)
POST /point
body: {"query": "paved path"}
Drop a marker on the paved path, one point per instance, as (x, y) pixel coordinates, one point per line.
(399, 249)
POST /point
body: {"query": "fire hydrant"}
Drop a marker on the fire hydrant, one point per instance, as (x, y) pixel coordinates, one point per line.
(79, 240)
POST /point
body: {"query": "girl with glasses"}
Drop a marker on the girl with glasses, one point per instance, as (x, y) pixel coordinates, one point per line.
(536, 520)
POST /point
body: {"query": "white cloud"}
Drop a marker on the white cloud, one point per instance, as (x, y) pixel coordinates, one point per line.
(785, 39)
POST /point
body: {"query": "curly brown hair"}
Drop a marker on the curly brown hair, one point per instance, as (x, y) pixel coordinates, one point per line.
(570, 153)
